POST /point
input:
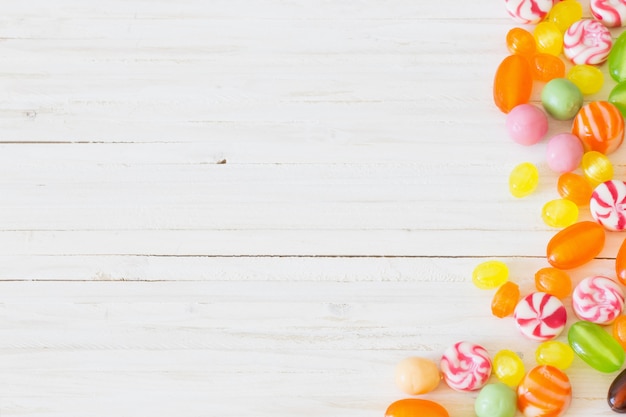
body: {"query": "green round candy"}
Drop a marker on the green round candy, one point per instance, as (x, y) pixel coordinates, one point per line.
(617, 59)
(561, 98)
(496, 400)
(618, 97)
(596, 346)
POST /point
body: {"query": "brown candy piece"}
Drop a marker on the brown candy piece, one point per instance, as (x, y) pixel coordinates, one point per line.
(617, 393)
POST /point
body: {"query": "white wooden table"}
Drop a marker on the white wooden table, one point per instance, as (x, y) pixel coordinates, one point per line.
(240, 207)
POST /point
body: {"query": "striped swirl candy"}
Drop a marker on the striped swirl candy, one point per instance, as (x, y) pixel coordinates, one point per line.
(528, 11)
(598, 299)
(587, 41)
(612, 13)
(465, 366)
(545, 391)
(600, 127)
(540, 316)
(608, 205)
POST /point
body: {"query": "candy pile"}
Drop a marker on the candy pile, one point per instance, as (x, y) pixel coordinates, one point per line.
(560, 39)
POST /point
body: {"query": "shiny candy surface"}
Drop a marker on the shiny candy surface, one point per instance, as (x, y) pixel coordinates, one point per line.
(564, 152)
(465, 366)
(612, 13)
(616, 396)
(564, 13)
(540, 316)
(588, 79)
(619, 331)
(561, 98)
(523, 179)
(617, 97)
(553, 281)
(548, 38)
(595, 346)
(508, 367)
(526, 124)
(528, 11)
(608, 205)
(555, 353)
(598, 299)
(490, 274)
(413, 407)
(416, 375)
(546, 67)
(597, 168)
(620, 263)
(574, 187)
(617, 59)
(512, 83)
(496, 400)
(587, 41)
(520, 41)
(545, 391)
(600, 127)
(559, 213)
(505, 299)
(575, 245)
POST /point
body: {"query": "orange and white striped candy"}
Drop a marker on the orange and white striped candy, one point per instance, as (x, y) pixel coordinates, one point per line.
(600, 127)
(545, 391)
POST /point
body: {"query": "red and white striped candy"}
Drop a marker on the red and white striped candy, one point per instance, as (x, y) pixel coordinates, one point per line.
(540, 316)
(598, 299)
(587, 41)
(528, 11)
(608, 205)
(612, 13)
(465, 366)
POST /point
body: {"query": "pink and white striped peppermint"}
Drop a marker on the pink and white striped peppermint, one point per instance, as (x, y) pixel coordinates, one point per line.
(540, 316)
(598, 299)
(528, 11)
(608, 205)
(465, 366)
(587, 41)
(612, 13)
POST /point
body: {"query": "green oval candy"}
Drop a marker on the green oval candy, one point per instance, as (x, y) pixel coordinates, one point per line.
(496, 400)
(617, 59)
(561, 98)
(595, 346)
(618, 97)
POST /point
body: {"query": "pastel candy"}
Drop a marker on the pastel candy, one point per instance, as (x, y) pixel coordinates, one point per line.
(595, 346)
(545, 391)
(608, 205)
(600, 127)
(465, 366)
(496, 400)
(528, 11)
(587, 41)
(540, 316)
(416, 375)
(612, 13)
(598, 299)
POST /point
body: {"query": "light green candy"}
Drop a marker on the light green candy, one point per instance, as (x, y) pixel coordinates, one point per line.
(617, 59)
(596, 346)
(561, 98)
(618, 97)
(496, 400)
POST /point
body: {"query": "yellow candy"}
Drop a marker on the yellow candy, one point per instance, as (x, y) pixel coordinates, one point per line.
(523, 179)
(549, 38)
(508, 367)
(565, 13)
(555, 353)
(588, 79)
(559, 213)
(490, 274)
(597, 168)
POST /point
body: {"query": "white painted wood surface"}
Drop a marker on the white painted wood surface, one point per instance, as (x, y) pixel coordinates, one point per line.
(229, 207)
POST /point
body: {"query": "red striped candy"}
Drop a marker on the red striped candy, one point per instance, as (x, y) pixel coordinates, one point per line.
(540, 316)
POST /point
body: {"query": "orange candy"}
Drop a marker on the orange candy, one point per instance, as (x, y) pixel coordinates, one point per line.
(575, 245)
(505, 299)
(619, 330)
(513, 83)
(546, 67)
(522, 42)
(412, 407)
(574, 187)
(553, 281)
(600, 127)
(545, 390)
(620, 263)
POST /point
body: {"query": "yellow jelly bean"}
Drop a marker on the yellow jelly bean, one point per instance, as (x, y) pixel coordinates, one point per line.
(559, 213)
(565, 13)
(555, 353)
(508, 367)
(490, 274)
(549, 38)
(597, 168)
(523, 179)
(588, 79)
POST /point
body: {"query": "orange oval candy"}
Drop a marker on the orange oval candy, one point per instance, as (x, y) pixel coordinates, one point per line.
(520, 41)
(553, 281)
(414, 407)
(619, 330)
(505, 299)
(575, 187)
(620, 263)
(575, 245)
(546, 67)
(513, 83)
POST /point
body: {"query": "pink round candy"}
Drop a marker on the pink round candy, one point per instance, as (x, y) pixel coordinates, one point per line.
(608, 205)
(564, 152)
(528, 11)
(465, 366)
(612, 13)
(587, 41)
(526, 124)
(598, 299)
(540, 316)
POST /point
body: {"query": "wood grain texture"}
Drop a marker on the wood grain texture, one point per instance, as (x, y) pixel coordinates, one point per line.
(239, 207)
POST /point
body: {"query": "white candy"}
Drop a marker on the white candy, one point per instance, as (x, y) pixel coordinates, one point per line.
(608, 205)
(528, 11)
(598, 299)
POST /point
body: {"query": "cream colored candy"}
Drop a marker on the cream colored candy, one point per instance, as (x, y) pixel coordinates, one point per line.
(415, 375)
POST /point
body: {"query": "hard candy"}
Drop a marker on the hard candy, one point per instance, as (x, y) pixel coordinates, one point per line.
(564, 152)
(575, 245)
(508, 367)
(617, 59)
(587, 41)
(413, 407)
(540, 316)
(465, 366)
(417, 375)
(600, 127)
(513, 82)
(612, 13)
(527, 124)
(616, 396)
(598, 299)
(561, 98)
(595, 346)
(617, 97)
(608, 205)
(545, 391)
(496, 400)
(528, 11)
